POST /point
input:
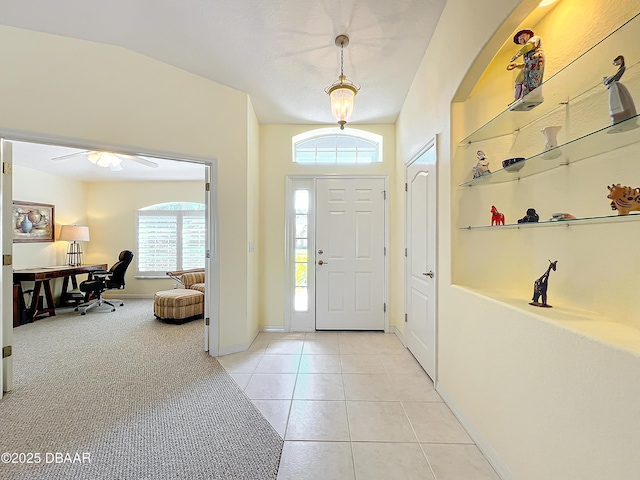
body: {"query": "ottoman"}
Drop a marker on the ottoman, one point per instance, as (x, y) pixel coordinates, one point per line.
(179, 305)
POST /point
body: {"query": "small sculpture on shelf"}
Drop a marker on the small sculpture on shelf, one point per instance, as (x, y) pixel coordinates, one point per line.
(540, 287)
(530, 217)
(497, 218)
(624, 199)
(482, 167)
(551, 149)
(621, 106)
(513, 165)
(531, 70)
(558, 217)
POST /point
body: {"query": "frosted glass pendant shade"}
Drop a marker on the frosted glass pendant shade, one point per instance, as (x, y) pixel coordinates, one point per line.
(342, 100)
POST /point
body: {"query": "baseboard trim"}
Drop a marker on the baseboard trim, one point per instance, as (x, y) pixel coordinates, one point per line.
(115, 294)
(487, 450)
(272, 329)
(398, 334)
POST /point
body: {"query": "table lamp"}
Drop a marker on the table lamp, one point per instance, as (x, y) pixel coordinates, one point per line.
(74, 234)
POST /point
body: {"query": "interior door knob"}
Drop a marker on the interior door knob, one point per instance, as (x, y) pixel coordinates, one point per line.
(429, 274)
(322, 262)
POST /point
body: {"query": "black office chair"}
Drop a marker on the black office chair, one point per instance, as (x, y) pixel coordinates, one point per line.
(101, 281)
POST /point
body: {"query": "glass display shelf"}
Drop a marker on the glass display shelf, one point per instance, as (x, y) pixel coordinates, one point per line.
(565, 85)
(606, 139)
(632, 217)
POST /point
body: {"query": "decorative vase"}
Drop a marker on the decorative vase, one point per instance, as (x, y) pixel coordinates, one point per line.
(26, 225)
(34, 216)
(551, 142)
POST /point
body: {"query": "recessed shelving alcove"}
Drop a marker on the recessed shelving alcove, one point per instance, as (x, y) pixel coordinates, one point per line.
(593, 289)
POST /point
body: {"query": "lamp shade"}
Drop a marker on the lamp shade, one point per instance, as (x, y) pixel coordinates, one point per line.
(74, 233)
(342, 99)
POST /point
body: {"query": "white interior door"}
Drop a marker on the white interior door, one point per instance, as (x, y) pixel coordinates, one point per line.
(6, 277)
(420, 331)
(350, 250)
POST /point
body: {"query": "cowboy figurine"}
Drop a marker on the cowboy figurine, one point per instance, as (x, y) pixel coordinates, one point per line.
(532, 70)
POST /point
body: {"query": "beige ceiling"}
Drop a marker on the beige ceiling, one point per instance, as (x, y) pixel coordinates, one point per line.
(280, 52)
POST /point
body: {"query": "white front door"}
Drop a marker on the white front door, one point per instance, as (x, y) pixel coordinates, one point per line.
(6, 276)
(350, 250)
(420, 331)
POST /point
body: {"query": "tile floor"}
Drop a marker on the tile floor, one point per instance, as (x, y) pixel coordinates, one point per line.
(354, 406)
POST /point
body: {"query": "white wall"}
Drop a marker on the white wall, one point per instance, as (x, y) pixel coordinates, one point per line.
(275, 164)
(541, 399)
(73, 89)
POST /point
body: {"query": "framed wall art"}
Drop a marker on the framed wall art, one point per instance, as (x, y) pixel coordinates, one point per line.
(33, 222)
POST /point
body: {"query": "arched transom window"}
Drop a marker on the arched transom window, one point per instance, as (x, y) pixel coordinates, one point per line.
(332, 146)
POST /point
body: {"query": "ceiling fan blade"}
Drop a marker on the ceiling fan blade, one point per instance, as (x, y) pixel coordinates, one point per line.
(140, 160)
(71, 155)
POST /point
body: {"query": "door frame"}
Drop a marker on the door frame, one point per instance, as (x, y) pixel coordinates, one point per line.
(211, 331)
(6, 274)
(294, 321)
(432, 143)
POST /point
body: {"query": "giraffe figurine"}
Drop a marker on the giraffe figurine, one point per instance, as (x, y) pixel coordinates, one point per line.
(540, 287)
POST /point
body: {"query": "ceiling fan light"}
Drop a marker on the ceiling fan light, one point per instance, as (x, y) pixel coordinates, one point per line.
(93, 157)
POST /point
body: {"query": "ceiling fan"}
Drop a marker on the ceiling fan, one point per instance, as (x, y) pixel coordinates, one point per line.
(108, 159)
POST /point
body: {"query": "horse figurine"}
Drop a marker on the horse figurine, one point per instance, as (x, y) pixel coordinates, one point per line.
(497, 218)
(540, 287)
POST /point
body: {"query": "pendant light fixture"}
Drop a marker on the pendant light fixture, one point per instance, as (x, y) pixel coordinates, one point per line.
(343, 92)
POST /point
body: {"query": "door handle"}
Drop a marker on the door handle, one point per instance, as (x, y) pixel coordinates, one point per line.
(322, 262)
(429, 274)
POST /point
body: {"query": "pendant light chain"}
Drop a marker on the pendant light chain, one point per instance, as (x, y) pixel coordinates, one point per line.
(341, 61)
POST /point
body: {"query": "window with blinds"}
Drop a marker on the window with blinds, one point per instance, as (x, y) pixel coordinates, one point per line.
(171, 236)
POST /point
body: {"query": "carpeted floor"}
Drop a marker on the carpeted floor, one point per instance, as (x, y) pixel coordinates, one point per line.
(138, 398)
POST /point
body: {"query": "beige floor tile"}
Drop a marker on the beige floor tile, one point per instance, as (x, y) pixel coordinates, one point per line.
(434, 422)
(362, 364)
(397, 461)
(241, 379)
(318, 420)
(276, 336)
(285, 346)
(319, 386)
(271, 386)
(321, 335)
(369, 387)
(356, 346)
(256, 348)
(278, 364)
(379, 422)
(458, 462)
(316, 461)
(320, 364)
(402, 365)
(276, 412)
(321, 346)
(387, 343)
(414, 388)
(240, 362)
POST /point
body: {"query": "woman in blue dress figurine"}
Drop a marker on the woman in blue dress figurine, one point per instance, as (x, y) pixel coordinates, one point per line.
(532, 69)
(621, 104)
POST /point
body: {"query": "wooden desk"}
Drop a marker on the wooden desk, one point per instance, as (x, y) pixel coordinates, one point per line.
(41, 276)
